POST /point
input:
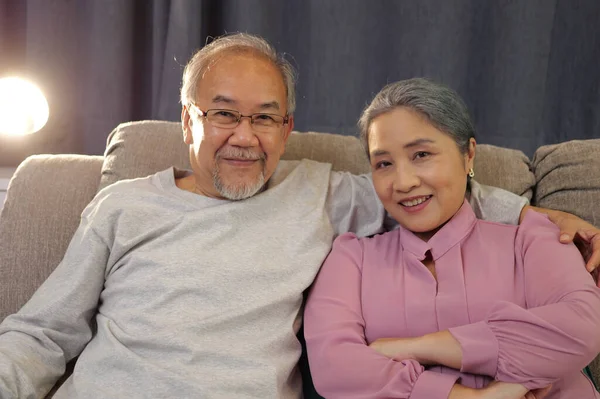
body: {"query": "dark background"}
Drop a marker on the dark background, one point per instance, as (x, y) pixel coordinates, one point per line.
(528, 69)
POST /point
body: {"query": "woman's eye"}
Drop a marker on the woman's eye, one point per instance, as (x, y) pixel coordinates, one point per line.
(382, 164)
(421, 154)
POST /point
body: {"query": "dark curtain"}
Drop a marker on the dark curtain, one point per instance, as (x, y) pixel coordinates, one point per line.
(529, 70)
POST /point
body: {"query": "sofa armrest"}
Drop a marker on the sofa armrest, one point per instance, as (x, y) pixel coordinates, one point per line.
(44, 201)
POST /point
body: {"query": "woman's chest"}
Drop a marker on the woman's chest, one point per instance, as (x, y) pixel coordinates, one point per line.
(403, 297)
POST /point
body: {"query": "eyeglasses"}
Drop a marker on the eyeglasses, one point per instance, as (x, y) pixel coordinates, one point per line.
(229, 119)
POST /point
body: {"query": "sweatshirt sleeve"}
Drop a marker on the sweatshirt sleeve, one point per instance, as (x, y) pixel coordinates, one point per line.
(495, 204)
(556, 334)
(55, 324)
(341, 362)
(353, 206)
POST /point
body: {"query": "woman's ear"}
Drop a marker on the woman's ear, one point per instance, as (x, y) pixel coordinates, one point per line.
(470, 155)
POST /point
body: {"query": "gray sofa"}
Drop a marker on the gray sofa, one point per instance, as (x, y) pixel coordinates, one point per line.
(48, 192)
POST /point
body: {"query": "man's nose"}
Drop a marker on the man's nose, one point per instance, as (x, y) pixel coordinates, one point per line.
(243, 134)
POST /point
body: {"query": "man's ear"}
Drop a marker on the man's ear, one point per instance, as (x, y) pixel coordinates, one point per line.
(186, 126)
(287, 132)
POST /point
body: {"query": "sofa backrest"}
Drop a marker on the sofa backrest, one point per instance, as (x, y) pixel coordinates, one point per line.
(568, 178)
(45, 197)
(143, 148)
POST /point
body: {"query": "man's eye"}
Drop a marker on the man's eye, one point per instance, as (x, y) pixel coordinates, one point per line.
(264, 117)
(421, 154)
(225, 114)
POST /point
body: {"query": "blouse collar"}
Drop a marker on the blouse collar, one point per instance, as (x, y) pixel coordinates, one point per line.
(451, 234)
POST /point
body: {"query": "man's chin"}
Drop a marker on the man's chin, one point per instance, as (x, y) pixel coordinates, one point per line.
(239, 191)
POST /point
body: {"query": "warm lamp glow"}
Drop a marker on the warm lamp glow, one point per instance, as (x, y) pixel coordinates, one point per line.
(23, 107)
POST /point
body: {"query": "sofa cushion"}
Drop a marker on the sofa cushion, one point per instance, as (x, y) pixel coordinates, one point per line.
(43, 205)
(568, 178)
(505, 168)
(142, 148)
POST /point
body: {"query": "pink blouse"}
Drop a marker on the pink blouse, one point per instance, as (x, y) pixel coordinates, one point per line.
(521, 305)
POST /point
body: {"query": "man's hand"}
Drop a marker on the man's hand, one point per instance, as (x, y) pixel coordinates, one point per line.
(586, 238)
(574, 229)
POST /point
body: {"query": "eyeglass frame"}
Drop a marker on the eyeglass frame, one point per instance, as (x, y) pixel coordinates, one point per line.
(204, 114)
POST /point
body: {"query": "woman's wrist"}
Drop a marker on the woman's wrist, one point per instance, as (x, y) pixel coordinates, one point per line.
(423, 350)
(462, 392)
(439, 348)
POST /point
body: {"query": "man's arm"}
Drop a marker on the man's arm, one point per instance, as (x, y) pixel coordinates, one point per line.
(353, 206)
(495, 204)
(54, 326)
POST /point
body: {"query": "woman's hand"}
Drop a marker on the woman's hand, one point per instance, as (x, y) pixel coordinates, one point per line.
(497, 390)
(442, 343)
(504, 390)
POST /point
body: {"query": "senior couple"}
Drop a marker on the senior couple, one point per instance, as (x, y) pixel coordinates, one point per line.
(189, 283)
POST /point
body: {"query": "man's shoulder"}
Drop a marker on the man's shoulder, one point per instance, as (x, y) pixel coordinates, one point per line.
(304, 163)
(123, 193)
(129, 187)
(303, 171)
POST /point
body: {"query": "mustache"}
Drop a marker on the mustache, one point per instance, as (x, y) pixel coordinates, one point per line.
(240, 153)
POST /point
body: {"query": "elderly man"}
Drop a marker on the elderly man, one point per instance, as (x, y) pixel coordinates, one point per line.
(189, 283)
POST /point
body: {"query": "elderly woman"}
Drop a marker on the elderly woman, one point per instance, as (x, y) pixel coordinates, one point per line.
(446, 306)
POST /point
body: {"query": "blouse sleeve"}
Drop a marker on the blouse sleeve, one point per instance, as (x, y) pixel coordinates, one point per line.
(556, 334)
(341, 362)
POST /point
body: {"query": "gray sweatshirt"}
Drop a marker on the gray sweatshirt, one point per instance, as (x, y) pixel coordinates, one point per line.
(167, 294)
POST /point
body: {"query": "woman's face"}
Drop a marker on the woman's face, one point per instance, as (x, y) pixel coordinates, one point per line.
(418, 171)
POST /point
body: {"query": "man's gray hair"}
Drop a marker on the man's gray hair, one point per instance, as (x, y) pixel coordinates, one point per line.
(441, 105)
(236, 43)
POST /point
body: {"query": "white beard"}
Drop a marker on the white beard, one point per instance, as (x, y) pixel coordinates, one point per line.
(236, 192)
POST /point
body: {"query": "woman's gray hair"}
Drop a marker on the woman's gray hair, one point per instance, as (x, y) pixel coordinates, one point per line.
(236, 43)
(441, 105)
